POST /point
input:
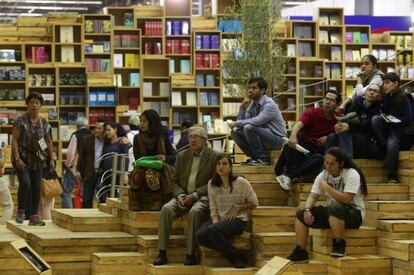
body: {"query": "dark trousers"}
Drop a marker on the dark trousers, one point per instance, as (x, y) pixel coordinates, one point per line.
(293, 163)
(216, 236)
(89, 187)
(355, 144)
(29, 188)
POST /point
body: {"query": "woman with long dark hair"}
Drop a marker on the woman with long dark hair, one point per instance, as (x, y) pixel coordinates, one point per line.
(152, 140)
(230, 198)
(344, 185)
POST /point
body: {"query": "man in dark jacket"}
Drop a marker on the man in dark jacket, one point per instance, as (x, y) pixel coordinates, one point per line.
(354, 134)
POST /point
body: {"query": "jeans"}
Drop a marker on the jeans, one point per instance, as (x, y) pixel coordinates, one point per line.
(355, 144)
(6, 202)
(89, 187)
(68, 183)
(216, 236)
(389, 137)
(293, 163)
(29, 181)
(254, 141)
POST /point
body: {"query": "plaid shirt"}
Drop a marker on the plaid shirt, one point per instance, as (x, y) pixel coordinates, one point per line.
(28, 135)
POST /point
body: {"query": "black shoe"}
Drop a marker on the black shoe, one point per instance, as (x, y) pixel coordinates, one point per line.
(392, 178)
(190, 260)
(245, 162)
(245, 256)
(258, 162)
(338, 248)
(299, 255)
(162, 258)
(238, 262)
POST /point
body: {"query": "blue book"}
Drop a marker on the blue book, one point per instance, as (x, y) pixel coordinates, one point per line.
(93, 98)
(198, 42)
(206, 41)
(203, 98)
(176, 28)
(134, 79)
(215, 41)
(213, 98)
(185, 66)
(210, 80)
(199, 80)
(172, 66)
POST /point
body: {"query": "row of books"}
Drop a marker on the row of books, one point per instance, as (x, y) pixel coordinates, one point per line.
(72, 99)
(177, 27)
(67, 53)
(66, 35)
(333, 71)
(306, 49)
(205, 80)
(329, 19)
(152, 28)
(356, 37)
(209, 98)
(231, 108)
(405, 58)
(11, 94)
(108, 115)
(91, 46)
(72, 79)
(352, 72)
(65, 132)
(177, 46)
(41, 80)
(181, 116)
(406, 72)
(329, 36)
(384, 54)
(356, 55)
(132, 100)
(10, 55)
(127, 60)
(162, 90)
(206, 98)
(133, 79)
(207, 41)
(70, 117)
(303, 31)
(152, 47)
(38, 55)
(402, 41)
(98, 26)
(161, 107)
(126, 41)
(184, 66)
(311, 71)
(49, 98)
(306, 90)
(232, 26)
(97, 64)
(102, 98)
(12, 73)
(207, 60)
(9, 116)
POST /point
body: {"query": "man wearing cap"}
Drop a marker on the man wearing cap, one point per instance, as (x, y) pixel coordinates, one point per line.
(70, 173)
(133, 126)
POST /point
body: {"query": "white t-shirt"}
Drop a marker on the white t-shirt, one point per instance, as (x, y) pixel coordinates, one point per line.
(348, 181)
(130, 135)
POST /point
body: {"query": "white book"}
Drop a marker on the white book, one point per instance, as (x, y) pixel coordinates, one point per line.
(382, 55)
(375, 53)
(176, 99)
(164, 108)
(147, 88)
(164, 89)
(118, 60)
(146, 105)
(217, 145)
(323, 36)
(291, 50)
(191, 98)
(66, 34)
(177, 136)
(390, 55)
(119, 80)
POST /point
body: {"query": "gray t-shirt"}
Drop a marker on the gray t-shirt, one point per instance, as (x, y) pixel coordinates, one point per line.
(348, 181)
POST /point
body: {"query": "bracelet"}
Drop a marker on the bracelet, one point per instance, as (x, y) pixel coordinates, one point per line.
(307, 209)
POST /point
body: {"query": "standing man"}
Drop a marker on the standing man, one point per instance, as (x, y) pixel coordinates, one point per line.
(88, 165)
(195, 167)
(260, 124)
(71, 174)
(310, 132)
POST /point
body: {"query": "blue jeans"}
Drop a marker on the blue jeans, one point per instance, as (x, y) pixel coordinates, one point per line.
(68, 183)
(254, 141)
(389, 137)
(29, 189)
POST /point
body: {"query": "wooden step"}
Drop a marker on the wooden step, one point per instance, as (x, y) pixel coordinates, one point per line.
(146, 222)
(126, 263)
(229, 270)
(104, 208)
(210, 257)
(115, 205)
(400, 267)
(360, 241)
(398, 249)
(249, 169)
(273, 219)
(268, 245)
(395, 229)
(313, 268)
(86, 220)
(388, 210)
(6, 237)
(176, 253)
(25, 231)
(71, 268)
(269, 193)
(174, 269)
(355, 265)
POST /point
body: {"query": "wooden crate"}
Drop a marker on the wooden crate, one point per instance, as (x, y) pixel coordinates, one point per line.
(386, 210)
(175, 269)
(268, 245)
(395, 229)
(229, 270)
(313, 268)
(402, 267)
(398, 249)
(273, 219)
(126, 263)
(176, 252)
(270, 193)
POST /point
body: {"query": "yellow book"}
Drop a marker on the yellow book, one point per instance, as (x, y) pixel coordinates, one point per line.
(66, 34)
(131, 60)
(400, 42)
(356, 55)
(408, 42)
(348, 90)
(67, 54)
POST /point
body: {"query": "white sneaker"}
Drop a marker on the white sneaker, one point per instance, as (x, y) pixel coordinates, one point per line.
(285, 182)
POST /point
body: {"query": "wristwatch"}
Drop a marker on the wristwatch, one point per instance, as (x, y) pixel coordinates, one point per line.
(307, 209)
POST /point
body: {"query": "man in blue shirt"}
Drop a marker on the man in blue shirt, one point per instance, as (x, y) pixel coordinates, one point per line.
(260, 125)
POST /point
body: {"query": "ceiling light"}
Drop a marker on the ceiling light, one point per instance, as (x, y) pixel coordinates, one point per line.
(63, 2)
(9, 14)
(44, 8)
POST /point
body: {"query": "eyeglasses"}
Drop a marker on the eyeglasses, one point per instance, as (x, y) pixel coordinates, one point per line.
(329, 99)
(373, 90)
(194, 137)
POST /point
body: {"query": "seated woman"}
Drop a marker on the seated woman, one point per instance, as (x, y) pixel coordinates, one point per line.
(112, 144)
(152, 140)
(344, 185)
(230, 198)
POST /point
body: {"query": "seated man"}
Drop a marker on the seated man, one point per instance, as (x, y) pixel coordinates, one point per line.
(355, 136)
(344, 185)
(310, 132)
(194, 168)
(260, 124)
(397, 104)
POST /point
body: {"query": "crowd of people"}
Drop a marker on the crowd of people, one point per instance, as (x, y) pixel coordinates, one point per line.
(376, 121)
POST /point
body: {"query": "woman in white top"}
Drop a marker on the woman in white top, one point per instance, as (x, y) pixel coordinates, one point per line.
(370, 74)
(230, 199)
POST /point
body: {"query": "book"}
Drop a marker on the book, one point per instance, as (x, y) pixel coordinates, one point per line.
(356, 55)
(203, 98)
(67, 54)
(133, 79)
(147, 88)
(323, 19)
(291, 50)
(66, 34)
(39, 55)
(128, 19)
(364, 52)
(323, 36)
(213, 99)
(131, 60)
(364, 37)
(176, 99)
(336, 53)
(118, 60)
(191, 98)
(335, 37)
(164, 89)
(382, 54)
(348, 37)
(172, 66)
(199, 80)
(185, 66)
(356, 37)
(334, 19)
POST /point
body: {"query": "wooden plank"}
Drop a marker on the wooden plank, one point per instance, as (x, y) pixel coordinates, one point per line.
(229, 270)
(175, 269)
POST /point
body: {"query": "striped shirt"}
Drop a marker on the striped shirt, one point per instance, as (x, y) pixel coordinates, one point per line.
(221, 200)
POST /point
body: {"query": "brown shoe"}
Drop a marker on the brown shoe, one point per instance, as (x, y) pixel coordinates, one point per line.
(162, 259)
(190, 260)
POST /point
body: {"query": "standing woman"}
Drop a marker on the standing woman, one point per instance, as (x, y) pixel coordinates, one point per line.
(31, 144)
(112, 144)
(369, 74)
(230, 198)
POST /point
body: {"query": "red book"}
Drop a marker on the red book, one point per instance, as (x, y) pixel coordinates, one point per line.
(133, 102)
(215, 60)
(199, 60)
(146, 28)
(39, 55)
(89, 64)
(157, 48)
(169, 46)
(206, 61)
(159, 28)
(185, 46)
(148, 48)
(176, 46)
